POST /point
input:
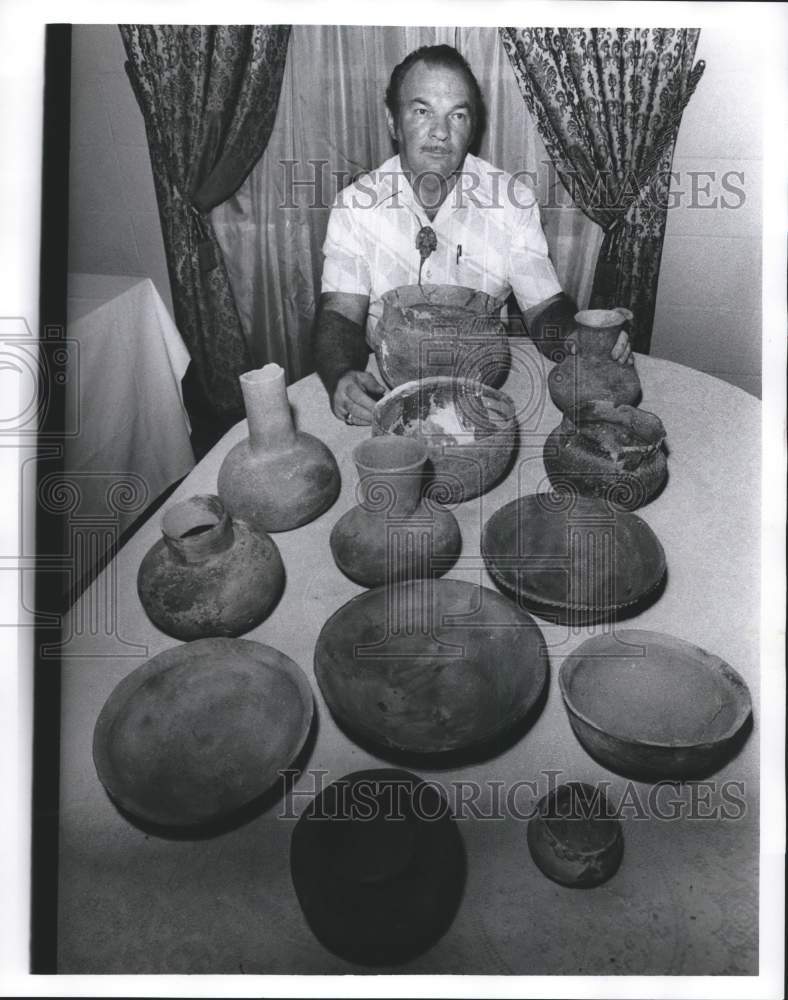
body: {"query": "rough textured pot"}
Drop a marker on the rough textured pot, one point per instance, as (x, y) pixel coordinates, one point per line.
(573, 559)
(201, 730)
(653, 707)
(574, 839)
(209, 575)
(446, 330)
(603, 450)
(378, 866)
(278, 478)
(392, 534)
(430, 666)
(590, 373)
(470, 430)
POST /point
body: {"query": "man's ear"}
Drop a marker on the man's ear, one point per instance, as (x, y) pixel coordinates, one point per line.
(392, 125)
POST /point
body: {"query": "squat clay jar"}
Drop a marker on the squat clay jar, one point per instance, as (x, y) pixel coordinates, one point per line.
(208, 575)
(608, 451)
(278, 478)
(393, 534)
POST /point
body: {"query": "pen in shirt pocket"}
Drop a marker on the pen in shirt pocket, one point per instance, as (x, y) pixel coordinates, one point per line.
(459, 252)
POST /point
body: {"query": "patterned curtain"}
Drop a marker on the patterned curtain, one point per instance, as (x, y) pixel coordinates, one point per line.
(608, 103)
(209, 97)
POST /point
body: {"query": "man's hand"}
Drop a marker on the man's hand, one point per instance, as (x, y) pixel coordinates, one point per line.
(355, 397)
(622, 352)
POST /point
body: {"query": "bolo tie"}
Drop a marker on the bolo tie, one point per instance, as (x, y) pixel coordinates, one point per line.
(426, 242)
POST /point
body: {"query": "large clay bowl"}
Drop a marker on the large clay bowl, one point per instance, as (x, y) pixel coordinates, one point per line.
(430, 666)
(469, 428)
(440, 330)
(572, 558)
(201, 730)
(608, 451)
(650, 706)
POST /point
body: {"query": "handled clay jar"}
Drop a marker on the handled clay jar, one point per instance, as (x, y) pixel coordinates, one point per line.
(589, 372)
(608, 451)
(208, 575)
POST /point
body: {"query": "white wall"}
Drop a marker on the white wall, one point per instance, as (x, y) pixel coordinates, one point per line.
(708, 311)
(114, 219)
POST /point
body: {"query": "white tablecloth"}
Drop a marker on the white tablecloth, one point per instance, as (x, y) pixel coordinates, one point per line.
(133, 439)
(685, 900)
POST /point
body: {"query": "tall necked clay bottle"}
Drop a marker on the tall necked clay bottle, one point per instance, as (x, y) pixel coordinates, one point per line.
(393, 534)
(589, 372)
(278, 478)
(207, 575)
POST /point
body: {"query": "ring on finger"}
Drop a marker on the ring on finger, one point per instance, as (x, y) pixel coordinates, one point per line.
(348, 417)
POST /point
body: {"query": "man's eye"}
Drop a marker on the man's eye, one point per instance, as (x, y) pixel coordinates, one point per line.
(419, 111)
(460, 115)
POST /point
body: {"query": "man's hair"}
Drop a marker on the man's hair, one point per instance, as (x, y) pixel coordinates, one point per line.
(438, 55)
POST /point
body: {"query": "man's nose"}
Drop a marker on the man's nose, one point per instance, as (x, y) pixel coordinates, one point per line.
(440, 127)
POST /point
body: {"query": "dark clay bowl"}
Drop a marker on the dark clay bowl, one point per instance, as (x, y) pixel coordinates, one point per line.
(430, 666)
(201, 730)
(572, 558)
(469, 428)
(440, 330)
(653, 707)
(573, 839)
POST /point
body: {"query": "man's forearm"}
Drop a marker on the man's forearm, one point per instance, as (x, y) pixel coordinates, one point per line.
(550, 327)
(339, 346)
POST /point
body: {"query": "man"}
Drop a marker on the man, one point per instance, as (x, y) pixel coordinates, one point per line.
(476, 226)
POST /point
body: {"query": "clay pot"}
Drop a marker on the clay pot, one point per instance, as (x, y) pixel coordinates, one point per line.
(589, 373)
(573, 559)
(445, 330)
(209, 575)
(431, 666)
(278, 478)
(470, 430)
(608, 451)
(378, 866)
(653, 707)
(201, 730)
(573, 838)
(392, 534)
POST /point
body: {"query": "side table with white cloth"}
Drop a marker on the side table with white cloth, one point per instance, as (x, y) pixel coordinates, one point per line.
(133, 438)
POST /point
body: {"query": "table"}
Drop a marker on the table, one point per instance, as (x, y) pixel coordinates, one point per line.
(685, 900)
(133, 437)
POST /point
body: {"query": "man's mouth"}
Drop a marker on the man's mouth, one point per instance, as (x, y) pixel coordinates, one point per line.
(436, 150)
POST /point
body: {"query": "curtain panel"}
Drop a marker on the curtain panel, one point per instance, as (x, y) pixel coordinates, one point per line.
(330, 127)
(608, 103)
(208, 95)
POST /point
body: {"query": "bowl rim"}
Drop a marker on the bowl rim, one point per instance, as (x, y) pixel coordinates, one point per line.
(572, 663)
(497, 574)
(159, 664)
(506, 426)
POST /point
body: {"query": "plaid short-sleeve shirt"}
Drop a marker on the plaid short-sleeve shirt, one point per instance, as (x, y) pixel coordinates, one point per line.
(488, 230)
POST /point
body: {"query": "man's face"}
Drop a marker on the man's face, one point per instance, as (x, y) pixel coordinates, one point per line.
(434, 126)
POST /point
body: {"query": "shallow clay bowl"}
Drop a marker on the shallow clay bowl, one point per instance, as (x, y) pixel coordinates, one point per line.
(572, 558)
(430, 666)
(469, 428)
(654, 707)
(440, 330)
(201, 730)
